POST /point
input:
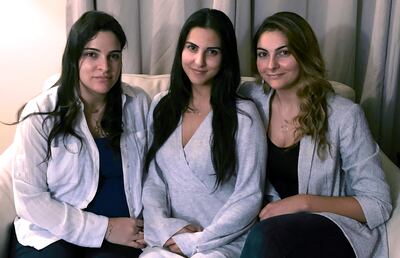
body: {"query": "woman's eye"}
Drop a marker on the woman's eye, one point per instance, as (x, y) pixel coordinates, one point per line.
(115, 56)
(213, 52)
(191, 47)
(262, 54)
(284, 52)
(90, 54)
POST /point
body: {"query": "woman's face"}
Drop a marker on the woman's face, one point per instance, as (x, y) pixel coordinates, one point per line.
(100, 65)
(276, 65)
(202, 56)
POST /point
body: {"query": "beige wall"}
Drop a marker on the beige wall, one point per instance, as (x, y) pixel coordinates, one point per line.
(32, 41)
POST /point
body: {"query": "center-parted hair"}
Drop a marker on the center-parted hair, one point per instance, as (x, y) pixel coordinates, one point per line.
(171, 107)
(314, 88)
(67, 106)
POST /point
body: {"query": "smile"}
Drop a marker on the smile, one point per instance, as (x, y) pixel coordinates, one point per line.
(199, 71)
(102, 78)
(275, 76)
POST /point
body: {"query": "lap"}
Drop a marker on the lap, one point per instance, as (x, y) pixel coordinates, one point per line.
(297, 235)
(63, 249)
(158, 252)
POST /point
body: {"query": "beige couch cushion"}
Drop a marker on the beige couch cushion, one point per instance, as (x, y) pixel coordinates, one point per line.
(7, 210)
(153, 84)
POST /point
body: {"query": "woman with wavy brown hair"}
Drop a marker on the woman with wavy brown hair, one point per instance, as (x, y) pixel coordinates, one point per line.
(326, 193)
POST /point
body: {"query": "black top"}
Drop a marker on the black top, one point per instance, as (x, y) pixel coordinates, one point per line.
(282, 168)
(110, 199)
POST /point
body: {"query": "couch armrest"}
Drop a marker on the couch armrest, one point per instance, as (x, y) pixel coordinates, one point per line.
(392, 173)
(7, 210)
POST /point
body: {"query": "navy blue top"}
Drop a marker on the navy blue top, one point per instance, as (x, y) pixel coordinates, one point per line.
(110, 199)
(282, 168)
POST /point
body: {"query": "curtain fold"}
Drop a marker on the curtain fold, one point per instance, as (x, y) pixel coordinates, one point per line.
(390, 114)
(359, 40)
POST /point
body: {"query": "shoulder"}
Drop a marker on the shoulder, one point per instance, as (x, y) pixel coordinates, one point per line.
(246, 106)
(157, 99)
(251, 90)
(134, 91)
(43, 102)
(248, 114)
(347, 119)
(159, 96)
(341, 109)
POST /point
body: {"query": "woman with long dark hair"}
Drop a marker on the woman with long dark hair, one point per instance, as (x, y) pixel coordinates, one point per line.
(80, 146)
(326, 194)
(206, 161)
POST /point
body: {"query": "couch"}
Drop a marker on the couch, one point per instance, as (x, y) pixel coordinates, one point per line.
(154, 84)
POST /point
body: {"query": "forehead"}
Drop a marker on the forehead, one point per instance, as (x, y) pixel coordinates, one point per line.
(272, 40)
(204, 37)
(104, 40)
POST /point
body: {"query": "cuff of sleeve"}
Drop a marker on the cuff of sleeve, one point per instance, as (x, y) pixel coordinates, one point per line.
(158, 234)
(188, 242)
(372, 213)
(97, 236)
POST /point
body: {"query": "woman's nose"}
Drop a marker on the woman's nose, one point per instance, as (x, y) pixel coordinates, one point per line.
(200, 59)
(273, 62)
(103, 63)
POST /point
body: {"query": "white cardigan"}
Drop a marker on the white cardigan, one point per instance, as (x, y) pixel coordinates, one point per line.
(50, 196)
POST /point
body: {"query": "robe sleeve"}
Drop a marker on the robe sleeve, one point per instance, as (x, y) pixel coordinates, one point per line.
(158, 224)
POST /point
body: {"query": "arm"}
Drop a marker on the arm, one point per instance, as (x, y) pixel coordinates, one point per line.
(368, 198)
(239, 211)
(346, 206)
(365, 179)
(51, 207)
(158, 224)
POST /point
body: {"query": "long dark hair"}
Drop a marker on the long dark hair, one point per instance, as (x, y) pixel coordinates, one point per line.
(314, 88)
(168, 111)
(68, 106)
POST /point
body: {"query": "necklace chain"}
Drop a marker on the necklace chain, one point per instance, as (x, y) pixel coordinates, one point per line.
(98, 129)
(287, 124)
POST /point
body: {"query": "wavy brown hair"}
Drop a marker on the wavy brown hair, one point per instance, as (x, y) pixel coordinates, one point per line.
(313, 86)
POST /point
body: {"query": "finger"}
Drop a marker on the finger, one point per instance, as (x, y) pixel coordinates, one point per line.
(137, 236)
(139, 223)
(175, 249)
(141, 241)
(193, 228)
(169, 242)
(263, 217)
(135, 245)
(263, 212)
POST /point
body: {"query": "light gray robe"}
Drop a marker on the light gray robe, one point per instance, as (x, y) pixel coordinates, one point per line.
(180, 189)
(353, 168)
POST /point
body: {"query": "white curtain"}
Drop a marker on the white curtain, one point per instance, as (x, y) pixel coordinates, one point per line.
(358, 38)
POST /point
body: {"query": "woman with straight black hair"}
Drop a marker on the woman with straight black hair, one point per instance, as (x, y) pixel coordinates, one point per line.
(79, 153)
(206, 161)
(326, 194)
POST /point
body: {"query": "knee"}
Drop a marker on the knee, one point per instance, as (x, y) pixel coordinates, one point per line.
(262, 241)
(260, 234)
